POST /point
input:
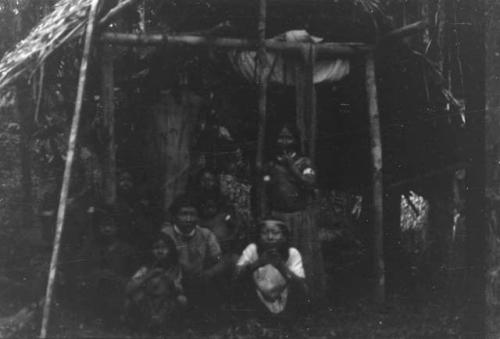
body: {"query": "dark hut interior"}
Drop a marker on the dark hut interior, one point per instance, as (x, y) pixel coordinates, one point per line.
(170, 103)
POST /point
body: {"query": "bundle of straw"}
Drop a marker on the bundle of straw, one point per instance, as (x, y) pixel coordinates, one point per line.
(65, 23)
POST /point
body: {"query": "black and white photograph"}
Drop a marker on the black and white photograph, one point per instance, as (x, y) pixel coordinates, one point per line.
(246, 169)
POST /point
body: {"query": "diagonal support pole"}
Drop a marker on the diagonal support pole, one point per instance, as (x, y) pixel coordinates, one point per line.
(67, 170)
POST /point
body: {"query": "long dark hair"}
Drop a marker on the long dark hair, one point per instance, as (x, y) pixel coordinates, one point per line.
(294, 131)
(284, 247)
(173, 255)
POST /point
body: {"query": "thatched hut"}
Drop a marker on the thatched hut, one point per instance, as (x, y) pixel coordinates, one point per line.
(168, 60)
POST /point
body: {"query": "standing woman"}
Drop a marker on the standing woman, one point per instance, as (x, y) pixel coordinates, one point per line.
(289, 181)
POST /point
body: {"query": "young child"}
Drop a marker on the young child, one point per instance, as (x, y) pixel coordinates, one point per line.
(276, 270)
(155, 293)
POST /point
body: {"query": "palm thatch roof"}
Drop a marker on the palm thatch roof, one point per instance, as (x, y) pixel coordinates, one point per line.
(67, 21)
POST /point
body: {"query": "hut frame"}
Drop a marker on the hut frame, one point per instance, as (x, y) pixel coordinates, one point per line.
(331, 49)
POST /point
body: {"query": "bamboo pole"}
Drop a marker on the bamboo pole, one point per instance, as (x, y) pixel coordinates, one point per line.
(262, 103)
(377, 184)
(67, 170)
(327, 48)
(107, 82)
(113, 12)
(405, 31)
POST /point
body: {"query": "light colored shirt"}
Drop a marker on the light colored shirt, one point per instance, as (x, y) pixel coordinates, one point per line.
(271, 286)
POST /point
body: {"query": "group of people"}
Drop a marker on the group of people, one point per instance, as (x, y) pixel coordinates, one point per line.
(204, 260)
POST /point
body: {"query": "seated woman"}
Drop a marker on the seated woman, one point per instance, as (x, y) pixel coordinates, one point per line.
(275, 269)
(155, 293)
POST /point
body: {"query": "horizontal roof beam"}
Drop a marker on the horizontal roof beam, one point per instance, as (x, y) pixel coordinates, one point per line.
(325, 49)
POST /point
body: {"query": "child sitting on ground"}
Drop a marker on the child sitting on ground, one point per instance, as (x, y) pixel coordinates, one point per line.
(155, 293)
(276, 270)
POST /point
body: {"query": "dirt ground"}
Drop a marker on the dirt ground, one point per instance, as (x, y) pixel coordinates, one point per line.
(397, 319)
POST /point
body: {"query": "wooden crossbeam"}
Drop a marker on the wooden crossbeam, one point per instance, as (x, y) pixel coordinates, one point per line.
(329, 48)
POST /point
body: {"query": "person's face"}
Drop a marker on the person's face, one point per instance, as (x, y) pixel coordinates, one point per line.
(286, 140)
(209, 209)
(125, 184)
(108, 228)
(186, 219)
(271, 234)
(160, 250)
(208, 181)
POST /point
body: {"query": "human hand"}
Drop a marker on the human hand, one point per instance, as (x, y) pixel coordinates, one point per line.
(270, 256)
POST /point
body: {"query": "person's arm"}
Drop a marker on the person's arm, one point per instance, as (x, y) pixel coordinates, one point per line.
(140, 278)
(248, 262)
(293, 270)
(216, 263)
(302, 170)
(251, 265)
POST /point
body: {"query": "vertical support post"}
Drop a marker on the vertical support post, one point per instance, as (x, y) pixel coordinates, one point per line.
(479, 52)
(311, 102)
(67, 170)
(300, 79)
(377, 184)
(23, 111)
(262, 107)
(107, 69)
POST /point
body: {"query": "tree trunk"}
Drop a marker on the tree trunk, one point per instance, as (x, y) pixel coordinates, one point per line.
(173, 123)
(492, 35)
(473, 52)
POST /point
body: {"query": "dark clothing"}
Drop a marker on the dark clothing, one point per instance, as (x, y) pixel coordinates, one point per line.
(286, 192)
(153, 298)
(228, 231)
(290, 192)
(104, 272)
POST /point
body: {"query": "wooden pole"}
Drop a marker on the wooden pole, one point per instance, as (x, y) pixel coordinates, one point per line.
(405, 31)
(328, 48)
(67, 170)
(23, 107)
(300, 103)
(107, 69)
(262, 106)
(113, 12)
(377, 185)
(311, 100)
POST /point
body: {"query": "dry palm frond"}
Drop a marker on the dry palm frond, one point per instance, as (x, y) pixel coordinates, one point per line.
(370, 6)
(66, 22)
